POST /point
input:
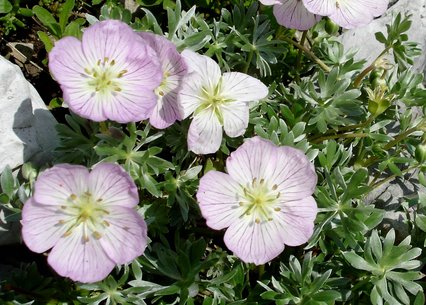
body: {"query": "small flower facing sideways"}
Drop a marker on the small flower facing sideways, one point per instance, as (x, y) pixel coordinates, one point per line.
(174, 69)
(216, 100)
(264, 201)
(87, 218)
(348, 13)
(292, 14)
(110, 75)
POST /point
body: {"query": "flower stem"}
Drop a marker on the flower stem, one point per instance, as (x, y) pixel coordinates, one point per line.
(309, 53)
(390, 178)
(247, 65)
(360, 77)
(299, 55)
(391, 144)
(340, 136)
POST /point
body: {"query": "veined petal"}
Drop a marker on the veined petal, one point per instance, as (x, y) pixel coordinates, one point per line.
(293, 174)
(294, 15)
(82, 261)
(270, 2)
(205, 133)
(41, 228)
(254, 159)
(126, 230)
(110, 39)
(242, 87)
(67, 63)
(296, 220)
(206, 68)
(219, 199)
(167, 111)
(254, 243)
(55, 185)
(113, 185)
(235, 118)
(321, 7)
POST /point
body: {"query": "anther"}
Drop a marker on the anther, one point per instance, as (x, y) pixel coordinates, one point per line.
(277, 209)
(97, 235)
(112, 62)
(241, 203)
(122, 72)
(278, 195)
(73, 196)
(270, 219)
(106, 223)
(257, 220)
(262, 181)
(61, 222)
(274, 187)
(99, 200)
(99, 62)
(67, 233)
(254, 181)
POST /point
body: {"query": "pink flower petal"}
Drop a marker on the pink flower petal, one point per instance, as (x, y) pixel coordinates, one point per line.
(296, 220)
(254, 243)
(294, 15)
(219, 199)
(254, 159)
(113, 185)
(41, 229)
(269, 2)
(127, 230)
(205, 133)
(81, 261)
(320, 7)
(55, 185)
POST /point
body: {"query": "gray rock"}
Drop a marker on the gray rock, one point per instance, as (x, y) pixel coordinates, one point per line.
(363, 39)
(27, 128)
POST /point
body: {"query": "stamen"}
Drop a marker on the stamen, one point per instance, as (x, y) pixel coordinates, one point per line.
(274, 187)
(277, 209)
(257, 220)
(262, 181)
(97, 235)
(73, 197)
(241, 203)
(112, 62)
(106, 223)
(254, 181)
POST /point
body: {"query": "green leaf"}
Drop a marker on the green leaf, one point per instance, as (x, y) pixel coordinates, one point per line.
(421, 222)
(48, 43)
(5, 6)
(48, 20)
(66, 10)
(7, 182)
(420, 299)
(357, 261)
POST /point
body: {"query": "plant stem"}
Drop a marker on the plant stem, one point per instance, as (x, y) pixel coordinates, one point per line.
(309, 53)
(391, 144)
(247, 65)
(344, 128)
(340, 136)
(377, 184)
(360, 77)
(299, 56)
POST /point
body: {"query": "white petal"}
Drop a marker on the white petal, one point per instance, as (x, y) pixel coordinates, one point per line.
(235, 118)
(254, 243)
(321, 7)
(270, 2)
(219, 200)
(293, 14)
(205, 133)
(242, 87)
(81, 261)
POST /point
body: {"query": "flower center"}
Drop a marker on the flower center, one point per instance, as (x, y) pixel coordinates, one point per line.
(162, 88)
(260, 200)
(85, 211)
(104, 77)
(212, 99)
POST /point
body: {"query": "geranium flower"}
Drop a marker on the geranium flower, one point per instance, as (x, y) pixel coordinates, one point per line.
(265, 200)
(292, 14)
(167, 109)
(216, 100)
(110, 75)
(348, 13)
(88, 219)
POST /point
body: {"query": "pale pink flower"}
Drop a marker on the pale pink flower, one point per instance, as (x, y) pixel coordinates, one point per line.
(110, 75)
(87, 218)
(174, 69)
(292, 14)
(348, 13)
(216, 100)
(264, 201)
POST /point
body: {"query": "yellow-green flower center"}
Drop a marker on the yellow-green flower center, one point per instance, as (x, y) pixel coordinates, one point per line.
(85, 211)
(104, 77)
(260, 200)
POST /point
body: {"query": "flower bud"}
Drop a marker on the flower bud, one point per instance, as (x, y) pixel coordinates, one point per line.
(420, 153)
(330, 27)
